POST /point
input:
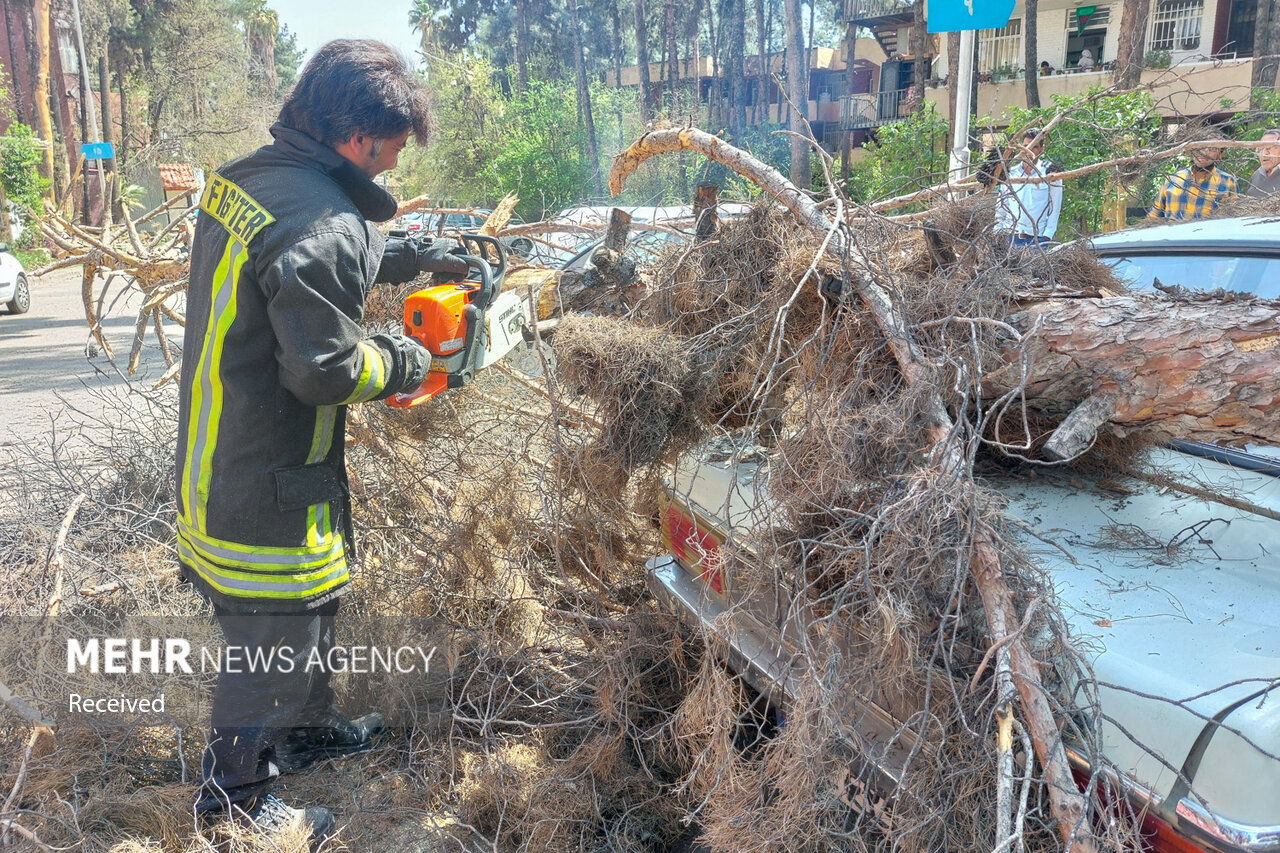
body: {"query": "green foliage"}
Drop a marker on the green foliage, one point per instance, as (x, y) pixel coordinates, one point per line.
(906, 155)
(1158, 59)
(19, 164)
(543, 154)
(1094, 128)
(288, 58)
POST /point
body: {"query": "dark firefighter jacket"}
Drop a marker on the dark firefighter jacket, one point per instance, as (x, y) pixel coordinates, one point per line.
(282, 259)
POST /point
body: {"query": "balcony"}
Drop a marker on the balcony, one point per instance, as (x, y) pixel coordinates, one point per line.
(1208, 87)
(878, 11)
(872, 109)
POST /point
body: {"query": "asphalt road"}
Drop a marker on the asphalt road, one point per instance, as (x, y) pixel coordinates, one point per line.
(48, 368)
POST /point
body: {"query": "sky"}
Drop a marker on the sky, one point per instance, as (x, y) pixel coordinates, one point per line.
(318, 21)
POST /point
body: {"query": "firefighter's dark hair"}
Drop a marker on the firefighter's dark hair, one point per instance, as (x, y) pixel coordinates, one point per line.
(357, 86)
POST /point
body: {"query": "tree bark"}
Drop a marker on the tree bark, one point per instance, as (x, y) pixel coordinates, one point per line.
(717, 84)
(760, 109)
(1129, 50)
(1118, 358)
(44, 120)
(953, 75)
(615, 18)
(642, 62)
(522, 44)
(916, 44)
(737, 37)
(1030, 58)
(673, 60)
(797, 86)
(584, 96)
(1266, 48)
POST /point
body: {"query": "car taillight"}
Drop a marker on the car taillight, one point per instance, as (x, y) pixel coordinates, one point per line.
(697, 548)
(1158, 836)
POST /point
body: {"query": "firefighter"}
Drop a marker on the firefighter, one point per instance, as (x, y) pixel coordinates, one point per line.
(284, 253)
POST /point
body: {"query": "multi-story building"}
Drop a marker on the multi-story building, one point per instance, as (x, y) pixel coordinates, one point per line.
(1199, 54)
(829, 77)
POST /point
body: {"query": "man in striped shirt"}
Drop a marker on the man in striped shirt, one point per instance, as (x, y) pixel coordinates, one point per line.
(1195, 192)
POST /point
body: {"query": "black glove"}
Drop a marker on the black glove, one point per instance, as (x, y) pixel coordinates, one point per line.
(441, 258)
(407, 363)
(399, 262)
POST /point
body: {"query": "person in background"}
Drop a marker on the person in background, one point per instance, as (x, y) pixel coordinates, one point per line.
(1086, 60)
(1029, 212)
(1265, 181)
(1045, 68)
(1196, 191)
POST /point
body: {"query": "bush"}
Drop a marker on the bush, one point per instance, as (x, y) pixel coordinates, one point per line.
(906, 155)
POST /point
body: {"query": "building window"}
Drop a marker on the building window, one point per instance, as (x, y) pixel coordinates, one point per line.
(1087, 32)
(1175, 25)
(1000, 50)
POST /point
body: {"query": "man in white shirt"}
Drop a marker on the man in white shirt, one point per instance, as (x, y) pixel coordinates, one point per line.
(1029, 212)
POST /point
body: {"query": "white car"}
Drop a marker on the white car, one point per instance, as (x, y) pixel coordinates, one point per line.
(15, 294)
(1177, 618)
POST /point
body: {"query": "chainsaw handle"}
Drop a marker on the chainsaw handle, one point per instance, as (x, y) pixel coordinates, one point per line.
(475, 244)
(488, 282)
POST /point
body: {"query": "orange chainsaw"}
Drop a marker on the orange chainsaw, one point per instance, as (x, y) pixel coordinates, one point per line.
(467, 325)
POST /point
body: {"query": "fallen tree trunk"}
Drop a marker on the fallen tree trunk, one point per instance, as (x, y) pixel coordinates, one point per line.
(1202, 369)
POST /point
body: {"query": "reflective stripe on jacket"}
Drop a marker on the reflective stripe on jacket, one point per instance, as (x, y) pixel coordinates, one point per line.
(282, 259)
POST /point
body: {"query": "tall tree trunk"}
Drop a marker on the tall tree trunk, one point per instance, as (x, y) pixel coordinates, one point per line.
(1030, 60)
(692, 30)
(584, 97)
(615, 18)
(953, 76)
(673, 59)
(1266, 47)
(122, 157)
(522, 44)
(19, 110)
(737, 37)
(1129, 50)
(109, 166)
(916, 44)
(642, 62)
(760, 109)
(797, 86)
(44, 120)
(717, 85)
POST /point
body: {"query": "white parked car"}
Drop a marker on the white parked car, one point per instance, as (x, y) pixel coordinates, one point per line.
(1178, 619)
(15, 293)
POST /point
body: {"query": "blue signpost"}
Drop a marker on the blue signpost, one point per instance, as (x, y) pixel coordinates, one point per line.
(98, 151)
(953, 16)
(964, 17)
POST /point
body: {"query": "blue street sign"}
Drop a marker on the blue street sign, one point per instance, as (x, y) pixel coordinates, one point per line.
(98, 151)
(952, 16)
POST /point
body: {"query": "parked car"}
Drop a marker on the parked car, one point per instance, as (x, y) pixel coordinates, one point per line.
(1178, 623)
(15, 294)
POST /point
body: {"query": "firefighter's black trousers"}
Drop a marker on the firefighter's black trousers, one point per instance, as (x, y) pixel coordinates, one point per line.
(252, 710)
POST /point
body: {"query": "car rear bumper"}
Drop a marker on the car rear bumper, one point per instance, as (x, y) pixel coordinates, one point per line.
(755, 654)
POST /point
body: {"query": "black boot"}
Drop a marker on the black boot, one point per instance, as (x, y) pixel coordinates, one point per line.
(331, 737)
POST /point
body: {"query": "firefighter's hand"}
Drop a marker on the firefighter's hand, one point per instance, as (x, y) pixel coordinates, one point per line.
(399, 262)
(407, 362)
(441, 258)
